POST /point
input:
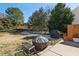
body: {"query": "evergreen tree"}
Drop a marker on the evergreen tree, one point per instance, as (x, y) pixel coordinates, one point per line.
(60, 17)
(38, 20)
(16, 14)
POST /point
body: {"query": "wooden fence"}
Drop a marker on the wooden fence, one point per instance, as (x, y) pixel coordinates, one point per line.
(72, 31)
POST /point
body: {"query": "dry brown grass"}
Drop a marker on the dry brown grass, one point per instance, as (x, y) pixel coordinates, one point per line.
(9, 43)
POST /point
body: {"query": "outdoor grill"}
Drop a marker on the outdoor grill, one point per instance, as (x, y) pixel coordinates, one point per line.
(40, 42)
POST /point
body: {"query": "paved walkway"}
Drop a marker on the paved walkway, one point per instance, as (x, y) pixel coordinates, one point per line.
(60, 50)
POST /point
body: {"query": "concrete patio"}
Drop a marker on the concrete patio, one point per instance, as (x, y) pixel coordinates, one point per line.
(60, 49)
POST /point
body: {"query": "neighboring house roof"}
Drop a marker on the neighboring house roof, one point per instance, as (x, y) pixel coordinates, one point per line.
(76, 15)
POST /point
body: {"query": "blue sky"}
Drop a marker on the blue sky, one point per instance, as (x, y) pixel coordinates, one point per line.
(29, 8)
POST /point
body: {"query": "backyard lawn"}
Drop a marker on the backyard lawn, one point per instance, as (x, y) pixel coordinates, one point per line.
(9, 43)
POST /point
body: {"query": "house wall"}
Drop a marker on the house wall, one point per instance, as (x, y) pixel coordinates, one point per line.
(76, 15)
(73, 29)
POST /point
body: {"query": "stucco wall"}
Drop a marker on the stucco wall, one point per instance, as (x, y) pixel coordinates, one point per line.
(76, 15)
